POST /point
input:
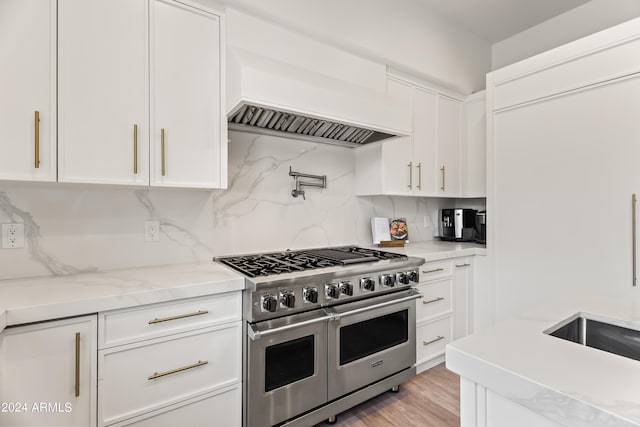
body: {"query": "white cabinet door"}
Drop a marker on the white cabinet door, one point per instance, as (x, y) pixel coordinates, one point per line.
(449, 137)
(27, 86)
(50, 368)
(474, 147)
(397, 154)
(463, 297)
(425, 111)
(102, 90)
(186, 120)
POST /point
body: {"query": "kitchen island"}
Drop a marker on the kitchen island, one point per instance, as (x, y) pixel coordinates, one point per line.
(516, 371)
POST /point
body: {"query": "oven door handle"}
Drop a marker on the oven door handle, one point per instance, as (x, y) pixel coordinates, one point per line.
(413, 294)
(256, 334)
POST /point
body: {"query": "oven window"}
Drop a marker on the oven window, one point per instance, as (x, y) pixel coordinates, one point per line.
(289, 362)
(371, 336)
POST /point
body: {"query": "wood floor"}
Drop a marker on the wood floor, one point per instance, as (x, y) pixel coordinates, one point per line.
(431, 399)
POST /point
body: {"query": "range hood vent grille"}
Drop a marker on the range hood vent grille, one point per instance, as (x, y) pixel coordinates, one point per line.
(252, 118)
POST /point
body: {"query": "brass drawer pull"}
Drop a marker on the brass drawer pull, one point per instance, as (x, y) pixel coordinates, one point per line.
(37, 140)
(175, 371)
(410, 165)
(181, 316)
(433, 340)
(432, 271)
(77, 364)
(433, 300)
(463, 265)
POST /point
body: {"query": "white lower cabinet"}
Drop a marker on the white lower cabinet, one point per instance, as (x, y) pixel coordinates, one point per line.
(48, 373)
(443, 313)
(165, 376)
(221, 408)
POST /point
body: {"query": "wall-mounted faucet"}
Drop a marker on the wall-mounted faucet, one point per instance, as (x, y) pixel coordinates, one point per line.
(299, 184)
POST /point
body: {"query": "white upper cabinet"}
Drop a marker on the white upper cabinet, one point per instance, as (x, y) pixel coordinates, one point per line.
(187, 126)
(449, 144)
(427, 163)
(27, 90)
(425, 140)
(474, 146)
(400, 165)
(103, 116)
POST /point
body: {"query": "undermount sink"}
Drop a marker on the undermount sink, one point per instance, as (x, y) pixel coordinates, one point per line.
(598, 334)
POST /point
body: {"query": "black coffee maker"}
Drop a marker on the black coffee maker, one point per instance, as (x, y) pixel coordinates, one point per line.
(458, 224)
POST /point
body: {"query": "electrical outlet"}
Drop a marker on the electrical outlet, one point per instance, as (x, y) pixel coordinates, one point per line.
(13, 236)
(152, 231)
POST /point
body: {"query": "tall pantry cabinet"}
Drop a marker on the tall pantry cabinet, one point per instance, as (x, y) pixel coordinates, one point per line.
(28, 90)
(564, 146)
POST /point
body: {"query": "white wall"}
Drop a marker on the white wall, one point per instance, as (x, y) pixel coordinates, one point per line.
(403, 34)
(572, 25)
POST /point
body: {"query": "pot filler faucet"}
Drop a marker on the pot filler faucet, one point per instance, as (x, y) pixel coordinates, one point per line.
(299, 184)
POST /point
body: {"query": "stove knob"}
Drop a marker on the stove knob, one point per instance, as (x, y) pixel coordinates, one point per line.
(413, 276)
(346, 288)
(287, 299)
(332, 291)
(387, 280)
(269, 303)
(402, 278)
(367, 284)
(310, 295)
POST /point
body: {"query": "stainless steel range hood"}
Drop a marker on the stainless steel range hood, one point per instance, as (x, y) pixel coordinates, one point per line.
(284, 85)
(263, 120)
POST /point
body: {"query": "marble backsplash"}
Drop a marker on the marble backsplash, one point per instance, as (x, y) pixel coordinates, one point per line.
(76, 228)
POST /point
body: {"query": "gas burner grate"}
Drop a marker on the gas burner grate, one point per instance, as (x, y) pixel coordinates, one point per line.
(293, 261)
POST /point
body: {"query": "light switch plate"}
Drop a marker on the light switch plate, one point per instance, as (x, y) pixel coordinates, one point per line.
(13, 236)
(151, 231)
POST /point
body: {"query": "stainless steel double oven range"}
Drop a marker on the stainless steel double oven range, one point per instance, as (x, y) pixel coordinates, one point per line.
(326, 329)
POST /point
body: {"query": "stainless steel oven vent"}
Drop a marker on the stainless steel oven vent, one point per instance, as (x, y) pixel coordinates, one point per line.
(256, 119)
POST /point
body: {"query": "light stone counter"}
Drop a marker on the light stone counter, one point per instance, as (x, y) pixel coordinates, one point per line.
(567, 383)
(436, 250)
(44, 298)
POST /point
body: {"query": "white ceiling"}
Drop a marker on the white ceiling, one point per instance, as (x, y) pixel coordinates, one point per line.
(495, 20)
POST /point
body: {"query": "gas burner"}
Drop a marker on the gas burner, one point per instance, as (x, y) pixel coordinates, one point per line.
(294, 261)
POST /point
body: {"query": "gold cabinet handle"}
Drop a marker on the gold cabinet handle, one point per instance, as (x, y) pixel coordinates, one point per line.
(462, 265)
(433, 340)
(37, 140)
(135, 148)
(162, 149)
(77, 364)
(410, 165)
(443, 173)
(431, 301)
(175, 371)
(419, 176)
(432, 271)
(181, 316)
(634, 201)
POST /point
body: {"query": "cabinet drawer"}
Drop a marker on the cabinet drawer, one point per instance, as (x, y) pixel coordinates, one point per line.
(431, 339)
(436, 300)
(435, 270)
(139, 378)
(157, 320)
(222, 408)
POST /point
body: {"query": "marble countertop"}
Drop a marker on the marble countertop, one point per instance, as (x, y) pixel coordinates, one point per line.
(44, 298)
(436, 250)
(568, 383)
